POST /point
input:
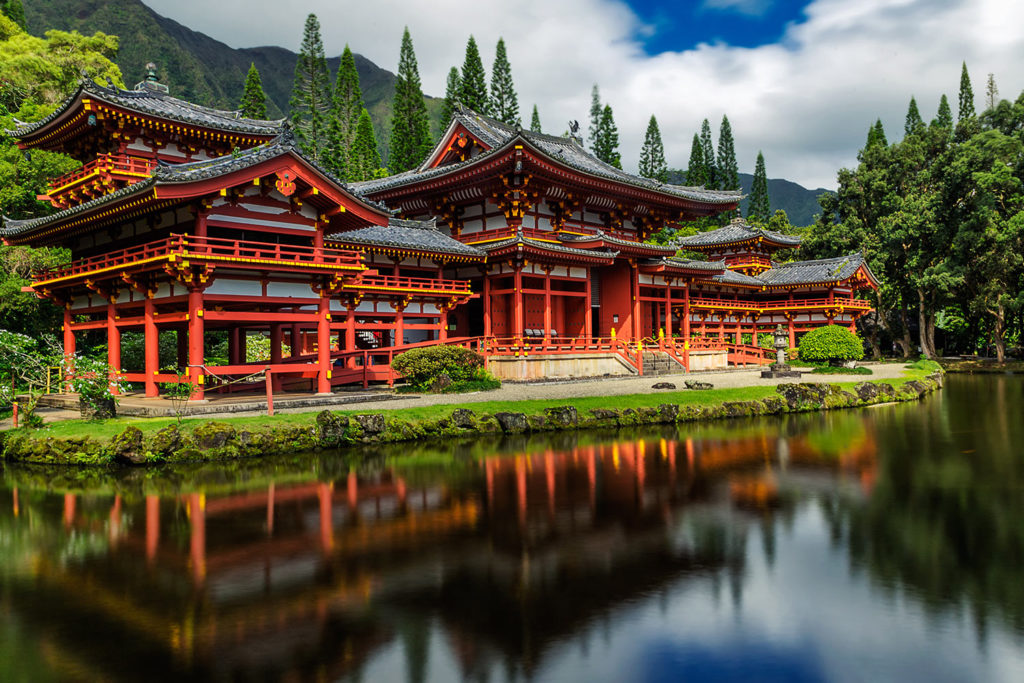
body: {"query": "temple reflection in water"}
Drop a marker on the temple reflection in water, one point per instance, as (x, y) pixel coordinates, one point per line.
(312, 573)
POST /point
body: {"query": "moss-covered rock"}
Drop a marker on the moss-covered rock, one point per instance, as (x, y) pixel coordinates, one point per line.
(165, 442)
(371, 424)
(512, 423)
(562, 417)
(126, 448)
(330, 429)
(463, 418)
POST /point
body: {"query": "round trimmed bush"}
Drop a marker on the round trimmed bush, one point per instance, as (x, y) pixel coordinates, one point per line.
(830, 344)
(422, 366)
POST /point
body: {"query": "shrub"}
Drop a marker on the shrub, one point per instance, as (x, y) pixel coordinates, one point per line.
(830, 344)
(422, 366)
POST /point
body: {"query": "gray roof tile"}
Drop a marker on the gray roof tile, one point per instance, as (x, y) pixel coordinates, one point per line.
(737, 231)
(807, 272)
(407, 234)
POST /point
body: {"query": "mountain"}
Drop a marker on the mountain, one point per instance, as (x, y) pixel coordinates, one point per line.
(799, 203)
(203, 70)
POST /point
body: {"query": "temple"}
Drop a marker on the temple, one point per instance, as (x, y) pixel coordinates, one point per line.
(187, 221)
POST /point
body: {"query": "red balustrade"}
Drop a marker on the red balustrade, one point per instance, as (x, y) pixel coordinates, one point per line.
(415, 284)
(748, 260)
(121, 167)
(730, 304)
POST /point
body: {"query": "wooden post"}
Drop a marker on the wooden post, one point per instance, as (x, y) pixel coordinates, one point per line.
(233, 357)
(323, 344)
(113, 343)
(588, 310)
(399, 324)
(350, 333)
(487, 304)
(442, 330)
(635, 286)
(296, 337)
(196, 353)
(69, 334)
(517, 303)
(270, 392)
(152, 348)
(792, 333)
(668, 312)
(547, 304)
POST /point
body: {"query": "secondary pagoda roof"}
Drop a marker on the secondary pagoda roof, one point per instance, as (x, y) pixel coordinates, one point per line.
(549, 250)
(408, 236)
(170, 182)
(819, 271)
(602, 239)
(499, 137)
(148, 103)
(738, 233)
(682, 266)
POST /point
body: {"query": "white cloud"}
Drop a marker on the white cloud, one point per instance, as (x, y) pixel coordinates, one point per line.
(806, 102)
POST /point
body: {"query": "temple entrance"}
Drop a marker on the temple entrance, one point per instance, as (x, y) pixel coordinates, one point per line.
(475, 317)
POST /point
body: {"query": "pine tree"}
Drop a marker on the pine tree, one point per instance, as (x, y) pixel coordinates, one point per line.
(346, 106)
(707, 148)
(726, 166)
(606, 146)
(451, 96)
(254, 102)
(966, 101)
(652, 155)
(311, 94)
(759, 208)
(410, 128)
(595, 115)
(15, 11)
(473, 86)
(535, 121)
(913, 122)
(696, 173)
(364, 157)
(944, 117)
(876, 136)
(504, 102)
(991, 93)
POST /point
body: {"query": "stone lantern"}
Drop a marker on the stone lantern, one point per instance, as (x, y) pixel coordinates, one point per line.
(780, 368)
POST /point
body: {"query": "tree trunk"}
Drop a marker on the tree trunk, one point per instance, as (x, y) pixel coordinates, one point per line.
(906, 343)
(872, 329)
(999, 332)
(923, 320)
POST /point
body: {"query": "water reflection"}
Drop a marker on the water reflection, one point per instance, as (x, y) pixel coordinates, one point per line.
(827, 547)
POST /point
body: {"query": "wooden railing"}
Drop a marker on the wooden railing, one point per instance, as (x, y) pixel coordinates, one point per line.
(413, 284)
(109, 164)
(747, 260)
(741, 305)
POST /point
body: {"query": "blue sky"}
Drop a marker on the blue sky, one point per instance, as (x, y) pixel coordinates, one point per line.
(676, 26)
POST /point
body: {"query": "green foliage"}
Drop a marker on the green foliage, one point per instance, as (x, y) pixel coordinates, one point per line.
(254, 101)
(451, 96)
(422, 366)
(346, 107)
(504, 103)
(707, 151)
(410, 129)
(876, 136)
(760, 205)
(965, 101)
(833, 370)
(15, 11)
(595, 116)
(830, 344)
(944, 116)
(696, 172)
(652, 155)
(473, 81)
(727, 168)
(913, 121)
(94, 381)
(311, 93)
(535, 121)
(606, 146)
(364, 161)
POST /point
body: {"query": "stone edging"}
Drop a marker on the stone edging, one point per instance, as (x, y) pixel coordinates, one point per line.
(221, 441)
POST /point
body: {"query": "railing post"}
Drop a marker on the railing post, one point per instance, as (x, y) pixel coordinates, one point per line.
(270, 393)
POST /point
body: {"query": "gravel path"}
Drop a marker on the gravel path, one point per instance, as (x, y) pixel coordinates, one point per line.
(607, 386)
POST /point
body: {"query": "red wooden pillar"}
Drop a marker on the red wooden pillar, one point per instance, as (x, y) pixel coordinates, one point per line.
(635, 286)
(487, 304)
(753, 336)
(668, 311)
(686, 315)
(152, 348)
(233, 356)
(547, 304)
(69, 334)
(588, 310)
(196, 352)
(442, 330)
(399, 324)
(323, 344)
(792, 334)
(517, 303)
(350, 333)
(113, 343)
(296, 340)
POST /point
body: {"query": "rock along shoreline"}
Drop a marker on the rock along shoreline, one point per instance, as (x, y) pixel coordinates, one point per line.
(218, 441)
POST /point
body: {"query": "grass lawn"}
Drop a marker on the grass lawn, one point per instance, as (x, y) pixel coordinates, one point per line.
(106, 429)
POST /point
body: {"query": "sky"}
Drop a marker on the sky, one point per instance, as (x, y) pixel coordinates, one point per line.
(799, 80)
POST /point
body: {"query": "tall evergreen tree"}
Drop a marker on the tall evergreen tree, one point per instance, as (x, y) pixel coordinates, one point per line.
(913, 122)
(410, 128)
(726, 166)
(595, 115)
(346, 107)
(504, 101)
(535, 121)
(991, 93)
(966, 100)
(944, 117)
(364, 157)
(15, 11)
(606, 146)
(759, 208)
(876, 136)
(311, 93)
(652, 155)
(696, 172)
(707, 149)
(451, 96)
(473, 85)
(254, 101)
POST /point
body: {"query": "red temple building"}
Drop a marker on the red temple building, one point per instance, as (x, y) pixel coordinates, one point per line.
(188, 220)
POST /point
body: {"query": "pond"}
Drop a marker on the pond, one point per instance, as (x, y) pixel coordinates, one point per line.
(882, 544)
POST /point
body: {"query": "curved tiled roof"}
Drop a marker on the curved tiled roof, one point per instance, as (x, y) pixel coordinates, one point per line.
(16, 227)
(731, 277)
(819, 270)
(548, 246)
(499, 136)
(154, 103)
(407, 234)
(611, 239)
(734, 233)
